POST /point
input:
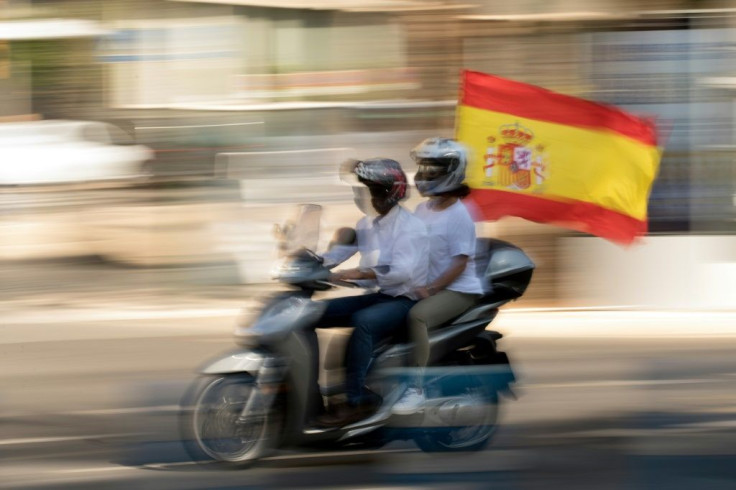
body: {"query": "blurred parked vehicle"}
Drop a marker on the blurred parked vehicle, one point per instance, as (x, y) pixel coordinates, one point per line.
(61, 151)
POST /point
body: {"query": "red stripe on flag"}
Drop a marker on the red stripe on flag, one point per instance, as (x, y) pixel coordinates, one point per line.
(577, 215)
(491, 93)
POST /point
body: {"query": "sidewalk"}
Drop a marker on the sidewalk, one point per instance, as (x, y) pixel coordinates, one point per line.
(195, 305)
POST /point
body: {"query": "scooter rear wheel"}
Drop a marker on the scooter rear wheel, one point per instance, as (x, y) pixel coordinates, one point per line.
(211, 424)
(463, 438)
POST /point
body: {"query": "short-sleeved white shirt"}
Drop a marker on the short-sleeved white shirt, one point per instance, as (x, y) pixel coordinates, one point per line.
(451, 233)
(395, 247)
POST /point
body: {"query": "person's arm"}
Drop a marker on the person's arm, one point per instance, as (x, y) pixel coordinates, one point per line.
(344, 245)
(338, 254)
(354, 275)
(453, 271)
(410, 247)
(398, 272)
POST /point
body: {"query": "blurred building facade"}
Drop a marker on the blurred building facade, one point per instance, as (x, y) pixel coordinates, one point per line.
(332, 67)
(671, 59)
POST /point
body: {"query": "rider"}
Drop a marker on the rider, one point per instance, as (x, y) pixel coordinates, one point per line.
(453, 285)
(393, 256)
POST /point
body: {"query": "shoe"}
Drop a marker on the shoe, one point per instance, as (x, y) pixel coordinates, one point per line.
(345, 415)
(410, 402)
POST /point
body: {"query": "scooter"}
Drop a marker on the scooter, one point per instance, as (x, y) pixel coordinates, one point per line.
(249, 402)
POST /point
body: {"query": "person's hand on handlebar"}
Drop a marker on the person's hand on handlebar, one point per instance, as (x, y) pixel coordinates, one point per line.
(352, 275)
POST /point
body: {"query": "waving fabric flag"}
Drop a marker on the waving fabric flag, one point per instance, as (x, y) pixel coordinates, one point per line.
(556, 159)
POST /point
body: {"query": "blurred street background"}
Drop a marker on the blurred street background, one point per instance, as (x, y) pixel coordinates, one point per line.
(148, 147)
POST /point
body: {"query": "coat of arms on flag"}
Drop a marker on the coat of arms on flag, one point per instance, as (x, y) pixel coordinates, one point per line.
(513, 159)
(557, 159)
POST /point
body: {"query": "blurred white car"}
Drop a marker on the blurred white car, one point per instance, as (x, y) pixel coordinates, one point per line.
(60, 151)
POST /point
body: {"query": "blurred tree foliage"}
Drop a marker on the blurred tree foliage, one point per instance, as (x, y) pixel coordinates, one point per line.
(65, 79)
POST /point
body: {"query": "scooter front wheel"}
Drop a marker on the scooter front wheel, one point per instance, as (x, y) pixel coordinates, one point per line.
(213, 426)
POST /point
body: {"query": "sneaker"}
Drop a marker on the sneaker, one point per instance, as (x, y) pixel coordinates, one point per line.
(410, 402)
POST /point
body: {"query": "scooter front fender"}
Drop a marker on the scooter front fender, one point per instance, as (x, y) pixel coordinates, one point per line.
(243, 361)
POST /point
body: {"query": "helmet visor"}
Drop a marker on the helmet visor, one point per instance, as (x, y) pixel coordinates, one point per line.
(430, 169)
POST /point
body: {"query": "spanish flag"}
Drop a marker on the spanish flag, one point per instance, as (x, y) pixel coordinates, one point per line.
(552, 158)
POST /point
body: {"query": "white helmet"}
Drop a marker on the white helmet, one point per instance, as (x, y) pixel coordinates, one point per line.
(441, 165)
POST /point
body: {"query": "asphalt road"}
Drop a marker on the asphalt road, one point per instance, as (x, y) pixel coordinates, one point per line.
(90, 395)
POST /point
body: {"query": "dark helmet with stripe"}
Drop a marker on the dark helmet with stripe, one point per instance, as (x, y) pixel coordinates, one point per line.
(383, 176)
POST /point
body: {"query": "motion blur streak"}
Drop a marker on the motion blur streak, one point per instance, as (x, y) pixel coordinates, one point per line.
(148, 147)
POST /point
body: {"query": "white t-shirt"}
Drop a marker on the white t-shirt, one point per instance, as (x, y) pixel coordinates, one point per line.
(451, 233)
(394, 246)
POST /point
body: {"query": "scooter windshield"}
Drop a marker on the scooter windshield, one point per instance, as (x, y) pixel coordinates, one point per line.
(302, 231)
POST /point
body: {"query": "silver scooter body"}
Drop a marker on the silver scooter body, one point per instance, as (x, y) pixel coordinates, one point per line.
(276, 354)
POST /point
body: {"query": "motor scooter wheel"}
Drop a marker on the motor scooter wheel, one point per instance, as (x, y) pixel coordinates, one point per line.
(211, 426)
(458, 438)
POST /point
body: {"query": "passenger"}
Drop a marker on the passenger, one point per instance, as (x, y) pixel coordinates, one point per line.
(453, 285)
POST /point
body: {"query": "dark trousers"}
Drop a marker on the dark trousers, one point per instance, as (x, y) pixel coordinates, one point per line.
(373, 317)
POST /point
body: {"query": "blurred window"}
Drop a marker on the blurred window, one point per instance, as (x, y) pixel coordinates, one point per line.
(96, 133)
(118, 136)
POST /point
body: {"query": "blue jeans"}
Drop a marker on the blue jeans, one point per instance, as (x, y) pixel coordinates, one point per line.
(374, 317)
